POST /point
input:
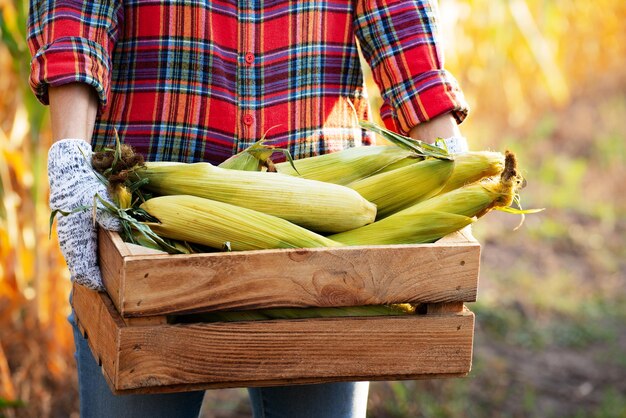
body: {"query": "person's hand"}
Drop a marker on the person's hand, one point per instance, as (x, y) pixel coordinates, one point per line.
(73, 184)
(445, 127)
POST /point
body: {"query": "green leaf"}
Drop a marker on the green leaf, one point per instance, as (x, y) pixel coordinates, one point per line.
(419, 147)
(117, 156)
(129, 223)
(287, 154)
(516, 211)
(56, 212)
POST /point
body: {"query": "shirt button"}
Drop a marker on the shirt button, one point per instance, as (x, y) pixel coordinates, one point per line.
(249, 57)
(248, 119)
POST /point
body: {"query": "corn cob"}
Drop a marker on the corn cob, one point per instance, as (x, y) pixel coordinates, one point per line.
(394, 190)
(473, 166)
(478, 198)
(211, 223)
(254, 158)
(405, 228)
(438, 216)
(345, 166)
(122, 196)
(315, 205)
(413, 159)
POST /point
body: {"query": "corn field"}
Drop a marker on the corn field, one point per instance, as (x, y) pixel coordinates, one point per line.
(517, 61)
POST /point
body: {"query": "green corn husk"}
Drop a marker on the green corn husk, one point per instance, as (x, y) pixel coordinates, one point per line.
(218, 225)
(472, 200)
(418, 147)
(253, 158)
(441, 215)
(413, 159)
(473, 166)
(345, 166)
(144, 241)
(395, 190)
(303, 313)
(315, 205)
(405, 228)
(476, 199)
(165, 163)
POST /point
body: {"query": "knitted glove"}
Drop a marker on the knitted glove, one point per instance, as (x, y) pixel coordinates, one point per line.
(73, 184)
(456, 145)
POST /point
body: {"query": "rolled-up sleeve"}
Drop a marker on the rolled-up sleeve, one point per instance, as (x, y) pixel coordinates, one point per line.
(399, 40)
(72, 41)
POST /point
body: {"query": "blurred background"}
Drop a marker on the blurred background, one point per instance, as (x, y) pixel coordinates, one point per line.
(545, 79)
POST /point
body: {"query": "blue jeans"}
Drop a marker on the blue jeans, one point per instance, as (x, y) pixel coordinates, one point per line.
(330, 400)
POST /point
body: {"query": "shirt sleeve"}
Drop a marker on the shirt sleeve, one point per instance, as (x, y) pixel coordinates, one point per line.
(399, 40)
(72, 41)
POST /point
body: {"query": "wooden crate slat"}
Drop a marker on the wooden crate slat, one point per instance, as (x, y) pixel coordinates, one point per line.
(183, 357)
(281, 382)
(164, 284)
(112, 251)
(438, 308)
(461, 236)
(100, 324)
(241, 353)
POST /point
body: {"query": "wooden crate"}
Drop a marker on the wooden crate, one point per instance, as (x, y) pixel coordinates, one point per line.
(131, 332)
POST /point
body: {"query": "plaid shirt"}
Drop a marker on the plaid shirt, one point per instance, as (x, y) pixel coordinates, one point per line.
(199, 81)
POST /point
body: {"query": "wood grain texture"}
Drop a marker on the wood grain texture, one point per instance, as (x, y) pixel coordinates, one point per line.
(100, 324)
(280, 382)
(348, 276)
(443, 308)
(112, 251)
(462, 236)
(315, 350)
(170, 358)
(145, 321)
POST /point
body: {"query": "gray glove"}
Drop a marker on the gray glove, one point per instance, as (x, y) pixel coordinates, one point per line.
(73, 184)
(456, 145)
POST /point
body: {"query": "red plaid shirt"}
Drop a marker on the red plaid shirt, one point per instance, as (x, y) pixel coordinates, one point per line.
(192, 81)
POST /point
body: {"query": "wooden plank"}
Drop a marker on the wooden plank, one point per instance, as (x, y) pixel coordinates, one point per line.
(462, 236)
(294, 351)
(152, 285)
(443, 308)
(100, 324)
(337, 277)
(170, 358)
(112, 251)
(283, 382)
(143, 321)
(135, 249)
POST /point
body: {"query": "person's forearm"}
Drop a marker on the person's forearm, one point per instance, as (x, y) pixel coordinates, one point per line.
(73, 109)
(443, 126)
